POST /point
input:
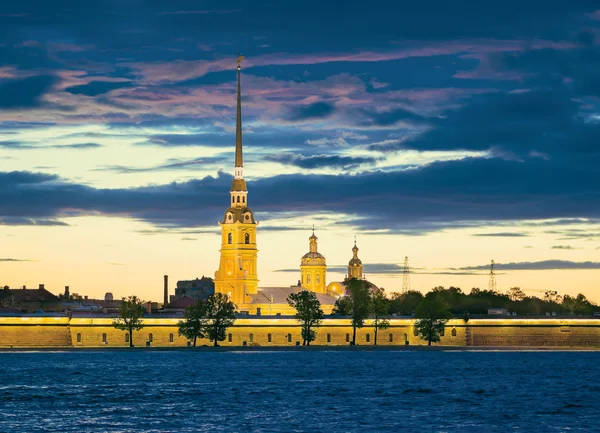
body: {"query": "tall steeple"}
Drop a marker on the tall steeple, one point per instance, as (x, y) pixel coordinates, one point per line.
(239, 162)
(239, 191)
(237, 274)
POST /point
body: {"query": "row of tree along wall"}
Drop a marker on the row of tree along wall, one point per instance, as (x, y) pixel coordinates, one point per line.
(57, 332)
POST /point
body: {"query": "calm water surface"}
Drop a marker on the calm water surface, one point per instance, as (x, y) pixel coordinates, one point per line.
(299, 391)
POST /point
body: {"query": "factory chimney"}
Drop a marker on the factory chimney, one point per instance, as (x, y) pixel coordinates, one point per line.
(166, 300)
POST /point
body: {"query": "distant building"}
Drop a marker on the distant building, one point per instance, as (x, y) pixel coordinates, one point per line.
(198, 290)
(179, 305)
(30, 300)
(498, 312)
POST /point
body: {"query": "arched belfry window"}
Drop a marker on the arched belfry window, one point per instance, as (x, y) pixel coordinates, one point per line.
(238, 199)
(247, 238)
(229, 238)
(243, 199)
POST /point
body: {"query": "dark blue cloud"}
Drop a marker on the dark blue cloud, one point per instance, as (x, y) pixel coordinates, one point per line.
(26, 92)
(503, 235)
(95, 88)
(316, 111)
(321, 161)
(533, 266)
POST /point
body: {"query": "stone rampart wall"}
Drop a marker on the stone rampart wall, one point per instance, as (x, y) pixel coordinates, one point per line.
(162, 332)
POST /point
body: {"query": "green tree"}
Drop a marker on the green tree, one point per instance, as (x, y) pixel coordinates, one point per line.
(219, 315)
(380, 309)
(405, 304)
(342, 307)
(360, 304)
(516, 294)
(432, 315)
(194, 323)
(308, 313)
(131, 311)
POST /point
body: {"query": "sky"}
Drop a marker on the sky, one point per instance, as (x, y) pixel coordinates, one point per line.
(450, 133)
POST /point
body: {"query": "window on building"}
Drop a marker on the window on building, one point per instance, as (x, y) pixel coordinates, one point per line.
(391, 338)
(171, 338)
(104, 338)
(251, 338)
(126, 338)
(232, 199)
(289, 338)
(229, 238)
(269, 340)
(415, 332)
(229, 338)
(368, 336)
(405, 338)
(79, 338)
(347, 338)
(308, 279)
(247, 238)
(329, 338)
(454, 332)
(238, 199)
(443, 331)
(243, 199)
(318, 279)
(150, 338)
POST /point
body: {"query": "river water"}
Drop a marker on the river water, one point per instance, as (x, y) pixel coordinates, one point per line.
(299, 391)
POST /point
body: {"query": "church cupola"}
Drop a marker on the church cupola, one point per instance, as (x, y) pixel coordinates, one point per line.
(313, 268)
(355, 266)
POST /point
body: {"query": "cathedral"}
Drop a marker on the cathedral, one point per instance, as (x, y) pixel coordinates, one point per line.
(237, 275)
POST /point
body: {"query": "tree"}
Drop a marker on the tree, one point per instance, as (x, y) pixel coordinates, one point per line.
(432, 315)
(405, 304)
(360, 304)
(130, 316)
(380, 309)
(194, 323)
(516, 294)
(308, 313)
(577, 305)
(342, 307)
(219, 315)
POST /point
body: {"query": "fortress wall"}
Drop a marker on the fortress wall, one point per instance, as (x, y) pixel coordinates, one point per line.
(88, 332)
(17, 332)
(555, 333)
(256, 332)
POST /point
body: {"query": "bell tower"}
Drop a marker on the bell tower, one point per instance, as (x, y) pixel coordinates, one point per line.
(355, 266)
(313, 268)
(237, 275)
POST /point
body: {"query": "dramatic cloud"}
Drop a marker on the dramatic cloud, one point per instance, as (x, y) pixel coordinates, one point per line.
(503, 235)
(533, 266)
(25, 93)
(321, 161)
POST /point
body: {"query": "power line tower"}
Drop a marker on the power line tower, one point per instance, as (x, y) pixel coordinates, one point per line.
(492, 285)
(406, 277)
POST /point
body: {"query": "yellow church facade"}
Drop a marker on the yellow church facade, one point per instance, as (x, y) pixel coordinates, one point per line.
(237, 275)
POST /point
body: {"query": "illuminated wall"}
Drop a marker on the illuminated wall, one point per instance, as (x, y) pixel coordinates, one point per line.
(162, 332)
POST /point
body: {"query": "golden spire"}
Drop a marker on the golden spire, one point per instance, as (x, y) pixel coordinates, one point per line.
(238, 131)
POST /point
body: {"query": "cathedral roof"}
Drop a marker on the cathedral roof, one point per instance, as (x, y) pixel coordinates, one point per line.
(238, 214)
(313, 255)
(279, 295)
